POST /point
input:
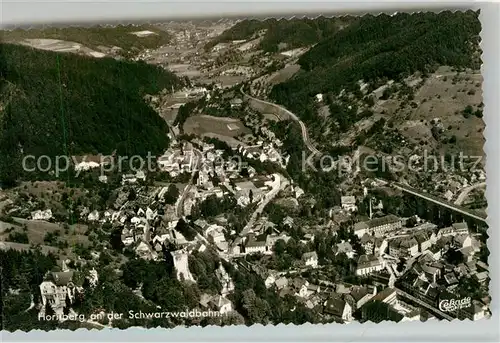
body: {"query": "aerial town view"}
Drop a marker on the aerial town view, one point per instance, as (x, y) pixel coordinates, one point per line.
(243, 171)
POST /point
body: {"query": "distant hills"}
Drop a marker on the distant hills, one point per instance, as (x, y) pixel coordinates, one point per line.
(381, 47)
(61, 103)
(94, 37)
(287, 33)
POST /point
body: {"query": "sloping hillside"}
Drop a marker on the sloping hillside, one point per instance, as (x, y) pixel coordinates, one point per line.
(378, 48)
(283, 33)
(126, 37)
(69, 104)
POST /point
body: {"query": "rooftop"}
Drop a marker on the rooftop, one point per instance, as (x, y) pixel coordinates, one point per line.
(389, 219)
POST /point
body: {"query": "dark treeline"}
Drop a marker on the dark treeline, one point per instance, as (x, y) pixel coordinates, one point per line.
(294, 33)
(382, 47)
(21, 275)
(65, 104)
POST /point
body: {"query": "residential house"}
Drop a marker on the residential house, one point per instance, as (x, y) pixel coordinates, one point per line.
(403, 247)
(346, 248)
(361, 229)
(462, 241)
(368, 264)
(481, 277)
(312, 290)
(310, 259)
(41, 215)
(128, 179)
(145, 251)
(362, 294)
(221, 304)
(181, 264)
(87, 162)
(215, 233)
(338, 308)
(236, 102)
(56, 288)
(299, 286)
(424, 239)
(371, 244)
(450, 279)
(281, 283)
(453, 230)
(476, 311)
(255, 245)
(288, 221)
(93, 216)
(460, 228)
(270, 280)
(383, 225)
(225, 280)
(272, 239)
(349, 203)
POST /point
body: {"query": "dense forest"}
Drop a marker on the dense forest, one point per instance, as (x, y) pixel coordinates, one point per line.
(54, 104)
(96, 36)
(381, 47)
(294, 33)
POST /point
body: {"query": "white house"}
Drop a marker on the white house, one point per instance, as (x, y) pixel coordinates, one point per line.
(368, 264)
(56, 289)
(221, 304)
(349, 203)
(310, 259)
(462, 241)
(255, 246)
(93, 216)
(346, 248)
(337, 307)
(182, 265)
(41, 215)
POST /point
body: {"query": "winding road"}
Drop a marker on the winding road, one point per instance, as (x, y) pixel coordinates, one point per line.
(303, 127)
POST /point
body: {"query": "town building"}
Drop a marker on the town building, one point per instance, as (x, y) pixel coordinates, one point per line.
(368, 264)
(349, 203)
(403, 247)
(338, 308)
(56, 288)
(310, 259)
(383, 225)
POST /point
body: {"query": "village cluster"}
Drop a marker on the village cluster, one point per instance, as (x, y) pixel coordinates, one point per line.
(402, 259)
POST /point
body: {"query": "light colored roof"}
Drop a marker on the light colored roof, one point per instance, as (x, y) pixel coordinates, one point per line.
(309, 255)
(348, 199)
(389, 219)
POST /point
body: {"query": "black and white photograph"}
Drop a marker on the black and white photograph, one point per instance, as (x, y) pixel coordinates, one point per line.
(228, 171)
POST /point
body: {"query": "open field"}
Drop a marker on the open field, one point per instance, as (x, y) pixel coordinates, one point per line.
(50, 192)
(26, 247)
(444, 95)
(232, 142)
(283, 74)
(61, 46)
(37, 229)
(224, 126)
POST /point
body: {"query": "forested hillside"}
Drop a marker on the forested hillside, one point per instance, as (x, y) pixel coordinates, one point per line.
(54, 104)
(293, 33)
(382, 47)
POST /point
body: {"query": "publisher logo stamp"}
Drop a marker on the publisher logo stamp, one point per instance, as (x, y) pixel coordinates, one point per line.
(450, 305)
